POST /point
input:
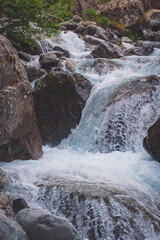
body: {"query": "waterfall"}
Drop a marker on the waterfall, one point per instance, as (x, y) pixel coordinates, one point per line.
(100, 178)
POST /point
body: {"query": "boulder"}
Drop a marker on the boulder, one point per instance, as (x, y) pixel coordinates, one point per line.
(65, 52)
(150, 24)
(103, 66)
(34, 73)
(107, 50)
(76, 18)
(24, 56)
(59, 100)
(71, 26)
(92, 40)
(80, 29)
(125, 11)
(40, 225)
(6, 204)
(143, 50)
(1, 178)
(49, 60)
(19, 204)
(10, 229)
(19, 136)
(96, 31)
(151, 142)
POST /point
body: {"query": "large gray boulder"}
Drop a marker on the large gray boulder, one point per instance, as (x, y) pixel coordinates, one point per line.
(19, 136)
(107, 50)
(59, 100)
(151, 142)
(49, 60)
(10, 229)
(40, 225)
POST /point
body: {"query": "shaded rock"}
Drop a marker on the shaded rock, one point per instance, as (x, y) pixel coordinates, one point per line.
(92, 40)
(80, 29)
(40, 225)
(19, 204)
(59, 100)
(76, 18)
(6, 204)
(151, 142)
(144, 50)
(1, 178)
(24, 56)
(71, 26)
(48, 60)
(157, 36)
(10, 229)
(150, 24)
(34, 73)
(107, 50)
(125, 11)
(86, 23)
(96, 32)
(19, 136)
(103, 66)
(66, 53)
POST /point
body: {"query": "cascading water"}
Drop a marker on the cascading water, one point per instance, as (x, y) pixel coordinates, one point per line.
(100, 177)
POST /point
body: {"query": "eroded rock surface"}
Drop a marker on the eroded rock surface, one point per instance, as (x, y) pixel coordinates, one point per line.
(19, 136)
(59, 99)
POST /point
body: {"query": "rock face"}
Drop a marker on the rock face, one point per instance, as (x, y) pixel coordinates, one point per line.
(59, 100)
(48, 60)
(126, 11)
(1, 178)
(6, 205)
(40, 225)
(10, 229)
(107, 50)
(152, 141)
(34, 73)
(19, 136)
(150, 25)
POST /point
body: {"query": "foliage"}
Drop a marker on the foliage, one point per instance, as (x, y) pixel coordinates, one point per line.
(23, 19)
(63, 8)
(92, 15)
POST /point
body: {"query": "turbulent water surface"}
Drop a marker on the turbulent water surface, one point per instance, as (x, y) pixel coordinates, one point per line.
(100, 177)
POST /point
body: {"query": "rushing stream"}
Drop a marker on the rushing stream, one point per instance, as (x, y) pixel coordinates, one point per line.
(100, 177)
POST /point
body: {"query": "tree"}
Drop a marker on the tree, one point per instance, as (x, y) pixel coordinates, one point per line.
(23, 19)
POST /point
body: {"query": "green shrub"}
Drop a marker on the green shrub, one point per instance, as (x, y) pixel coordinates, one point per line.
(93, 15)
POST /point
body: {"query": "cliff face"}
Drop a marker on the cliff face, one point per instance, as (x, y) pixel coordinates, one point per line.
(19, 136)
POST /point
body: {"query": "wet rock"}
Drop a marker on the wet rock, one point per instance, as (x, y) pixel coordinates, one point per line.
(48, 60)
(19, 136)
(92, 40)
(40, 225)
(10, 229)
(103, 66)
(76, 18)
(6, 204)
(34, 73)
(65, 52)
(71, 26)
(59, 99)
(107, 50)
(108, 211)
(151, 142)
(125, 11)
(1, 178)
(80, 29)
(151, 24)
(128, 100)
(143, 50)
(96, 31)
(19, 204)
(24, 56)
